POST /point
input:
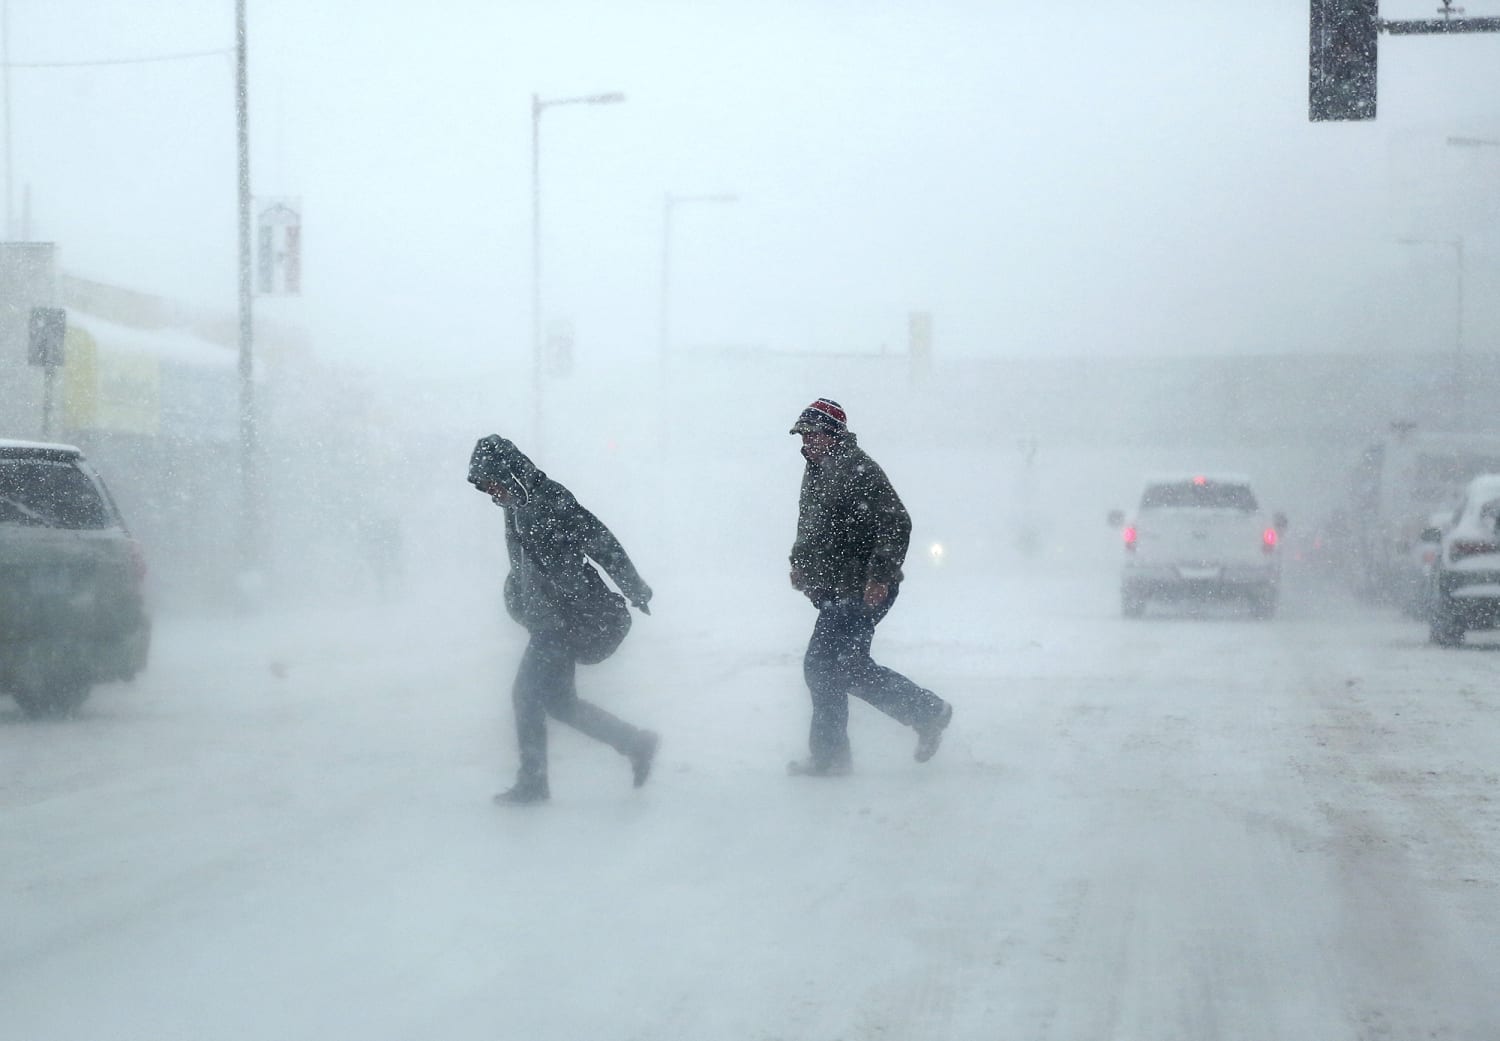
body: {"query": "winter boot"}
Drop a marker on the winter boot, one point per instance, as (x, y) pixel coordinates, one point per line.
(930, 734)
(810, 767)
(526, 790)
(642, 758)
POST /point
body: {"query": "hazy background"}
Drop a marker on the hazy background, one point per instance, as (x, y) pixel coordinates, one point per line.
(1117, 177)
(1136, 250)
(1138, 255)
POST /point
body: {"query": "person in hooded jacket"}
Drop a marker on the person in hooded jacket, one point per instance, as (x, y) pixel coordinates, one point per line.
(571, 615)
(852, 536)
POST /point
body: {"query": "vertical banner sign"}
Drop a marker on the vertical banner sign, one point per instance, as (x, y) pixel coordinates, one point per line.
(919, 343)
(560, 348)
(28, 278)
(278, 262)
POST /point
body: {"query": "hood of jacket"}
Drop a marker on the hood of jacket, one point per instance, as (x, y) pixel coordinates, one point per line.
(496, 460)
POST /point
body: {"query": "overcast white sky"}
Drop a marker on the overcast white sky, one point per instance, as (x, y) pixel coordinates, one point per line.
(1108, 177)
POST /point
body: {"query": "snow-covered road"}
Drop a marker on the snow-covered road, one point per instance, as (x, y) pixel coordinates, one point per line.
(1192, 828)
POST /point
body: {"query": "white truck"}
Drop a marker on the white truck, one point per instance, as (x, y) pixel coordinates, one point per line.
(1396, 485)
(1201, 537)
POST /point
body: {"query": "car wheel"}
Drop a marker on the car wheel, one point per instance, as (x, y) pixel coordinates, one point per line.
(54, 701)
(1445, 628)
(1132, 605)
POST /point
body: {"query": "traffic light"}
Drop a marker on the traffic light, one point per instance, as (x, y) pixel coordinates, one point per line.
(1341, 59)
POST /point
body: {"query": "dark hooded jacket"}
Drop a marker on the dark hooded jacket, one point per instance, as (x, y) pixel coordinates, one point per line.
(550, 538)
(851, 525)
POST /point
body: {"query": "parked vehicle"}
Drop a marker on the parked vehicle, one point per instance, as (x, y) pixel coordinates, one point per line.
(72, 605)
(1464, 593)
(1396, 485)
(1201, 537)
(1416, 601)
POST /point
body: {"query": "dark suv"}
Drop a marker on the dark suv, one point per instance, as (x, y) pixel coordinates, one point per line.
(72, 610)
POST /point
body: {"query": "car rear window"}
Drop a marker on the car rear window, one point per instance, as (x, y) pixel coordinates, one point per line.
(50, 493)
(1203, 495)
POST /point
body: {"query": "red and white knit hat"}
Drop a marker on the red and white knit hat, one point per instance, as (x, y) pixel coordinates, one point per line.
(824, 416)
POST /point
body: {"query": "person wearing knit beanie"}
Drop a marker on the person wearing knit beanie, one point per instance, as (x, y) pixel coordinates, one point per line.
(852, 536)
(824, 415)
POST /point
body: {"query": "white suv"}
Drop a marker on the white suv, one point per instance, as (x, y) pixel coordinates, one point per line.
(1201, 537)
(1465, 582)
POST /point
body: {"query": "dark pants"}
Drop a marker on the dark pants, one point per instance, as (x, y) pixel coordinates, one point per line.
(544, 686)
(838, 664)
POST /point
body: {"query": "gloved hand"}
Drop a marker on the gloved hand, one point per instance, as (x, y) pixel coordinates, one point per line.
(642, 599)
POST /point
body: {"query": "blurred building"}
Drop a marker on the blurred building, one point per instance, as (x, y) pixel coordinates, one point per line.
(28, 279)
(150, 389)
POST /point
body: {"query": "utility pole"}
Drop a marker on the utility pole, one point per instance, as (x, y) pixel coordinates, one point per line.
(249, 483)
(1460, 392)
(538, 373)
(1460, 378)
(669, 203)
(10, 230)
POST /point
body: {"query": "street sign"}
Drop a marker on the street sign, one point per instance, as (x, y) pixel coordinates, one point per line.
(919, 343)
(278, 259)
(45, 340)
(559, 348)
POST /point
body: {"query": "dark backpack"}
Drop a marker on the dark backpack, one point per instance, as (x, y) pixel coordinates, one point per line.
(597, 621)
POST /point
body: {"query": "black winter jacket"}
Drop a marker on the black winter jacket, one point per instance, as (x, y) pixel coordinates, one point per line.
(550, 537)
(851, 525)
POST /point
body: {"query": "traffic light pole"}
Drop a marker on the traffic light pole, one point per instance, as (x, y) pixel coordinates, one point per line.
(1343, 45)
(249, 450)
(1463, 25)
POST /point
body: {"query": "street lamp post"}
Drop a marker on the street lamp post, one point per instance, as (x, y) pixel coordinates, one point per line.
(10, 230)
(1457, 242)
(1457, 141)
(538, 106)
(249, 449)
(669, 203)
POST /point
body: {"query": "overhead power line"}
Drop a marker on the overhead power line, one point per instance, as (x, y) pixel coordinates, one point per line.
(184, 56)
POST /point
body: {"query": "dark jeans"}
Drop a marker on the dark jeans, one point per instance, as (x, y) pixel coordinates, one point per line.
(544, 686)
(838, 664)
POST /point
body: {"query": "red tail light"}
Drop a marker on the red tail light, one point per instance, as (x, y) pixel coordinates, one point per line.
(1129, 535)
(1467, 548)
(1268, 539)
